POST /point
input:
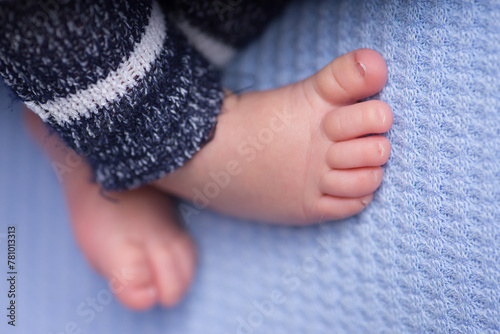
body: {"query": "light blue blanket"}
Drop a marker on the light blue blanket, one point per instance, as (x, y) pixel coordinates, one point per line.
(424, 257)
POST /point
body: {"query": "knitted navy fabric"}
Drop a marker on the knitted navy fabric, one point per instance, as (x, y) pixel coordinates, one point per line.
(234, 22)
(121, 85)
(48, 52)
(116, 81)
(424, 257)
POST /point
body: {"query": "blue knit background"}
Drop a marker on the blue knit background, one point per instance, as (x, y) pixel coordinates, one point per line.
(424, 257)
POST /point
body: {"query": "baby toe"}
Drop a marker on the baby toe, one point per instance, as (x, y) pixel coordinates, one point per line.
(185, 250)
(361, 152)
(358, 120)
(130, 276)
(173, 263)
(333, 208)
(352, 182)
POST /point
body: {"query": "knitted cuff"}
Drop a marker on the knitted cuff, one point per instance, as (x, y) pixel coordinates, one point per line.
(147, 104)
(218, 28)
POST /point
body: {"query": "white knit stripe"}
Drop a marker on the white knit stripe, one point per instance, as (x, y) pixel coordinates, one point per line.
(216, 52)
(116, 84)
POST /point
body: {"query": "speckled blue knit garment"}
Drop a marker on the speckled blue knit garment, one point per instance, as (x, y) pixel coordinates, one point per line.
(424, 257)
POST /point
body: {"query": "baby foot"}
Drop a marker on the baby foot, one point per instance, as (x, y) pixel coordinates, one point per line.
(132, 238)
(296, 154)
(135, 241)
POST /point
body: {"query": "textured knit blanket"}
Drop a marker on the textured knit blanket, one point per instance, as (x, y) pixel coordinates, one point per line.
(424, 257)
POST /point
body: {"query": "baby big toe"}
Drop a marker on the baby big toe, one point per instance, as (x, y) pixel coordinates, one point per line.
(351, 77)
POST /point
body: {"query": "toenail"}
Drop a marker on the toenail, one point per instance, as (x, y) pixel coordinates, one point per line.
(382, 115)
(361, 68)
(364, 201)
(380, 149)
